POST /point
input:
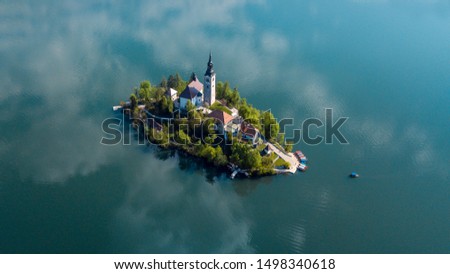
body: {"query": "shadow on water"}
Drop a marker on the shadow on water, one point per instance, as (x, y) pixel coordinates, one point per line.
(245, 186)
(190, 163)
(242, 185)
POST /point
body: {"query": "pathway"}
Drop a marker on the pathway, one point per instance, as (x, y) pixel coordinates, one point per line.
(289, 157)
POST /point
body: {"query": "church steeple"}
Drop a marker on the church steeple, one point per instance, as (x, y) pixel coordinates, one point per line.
(210, 83)
(210, 69)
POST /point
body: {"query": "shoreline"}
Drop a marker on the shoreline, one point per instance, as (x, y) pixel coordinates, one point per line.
(180, 148)
(212, 122)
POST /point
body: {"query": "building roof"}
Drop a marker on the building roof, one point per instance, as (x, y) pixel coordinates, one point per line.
(190, 92)
(171, 92)
(196, 84)
(248, 129)
(221, 116)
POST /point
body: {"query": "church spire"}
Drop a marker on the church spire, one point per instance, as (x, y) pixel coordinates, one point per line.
(210, 83)
(210, 69)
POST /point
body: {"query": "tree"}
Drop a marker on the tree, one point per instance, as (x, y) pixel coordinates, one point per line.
(136, 116)
(249, 113)
(170, 106)
(288, 147)
(182, 138)
(133, 101)
(266, 164)
(225, 90)
(163, 105)
(208, 128)
(159, 94)
(145, 84)
(253, 160)
(233, 97)
(145, 90)
(189, 106)
(221, 158)
(172, 82)
(270, 125)
(163, 83)
(245, 156)
(219, 90)
(209, 153)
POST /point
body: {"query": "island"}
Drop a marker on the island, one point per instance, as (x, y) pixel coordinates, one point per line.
(212, 121)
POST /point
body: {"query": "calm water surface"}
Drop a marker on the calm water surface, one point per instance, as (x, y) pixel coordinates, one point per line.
(383, 64)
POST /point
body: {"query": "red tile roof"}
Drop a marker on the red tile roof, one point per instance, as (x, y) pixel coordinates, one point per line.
(248, 129)
(223, 117)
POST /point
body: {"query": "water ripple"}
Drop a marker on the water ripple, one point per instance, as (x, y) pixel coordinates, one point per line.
(294, 235)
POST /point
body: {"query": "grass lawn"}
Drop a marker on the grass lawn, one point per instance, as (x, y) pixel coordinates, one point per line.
(281, 162)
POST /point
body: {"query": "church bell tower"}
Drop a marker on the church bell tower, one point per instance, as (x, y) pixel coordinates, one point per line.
(210, 83)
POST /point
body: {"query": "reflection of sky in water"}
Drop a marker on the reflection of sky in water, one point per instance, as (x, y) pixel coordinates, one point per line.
(61, 59)
(165, 214)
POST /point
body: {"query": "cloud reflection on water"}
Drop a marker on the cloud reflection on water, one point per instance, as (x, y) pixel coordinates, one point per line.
(63, 56)
(163, 214)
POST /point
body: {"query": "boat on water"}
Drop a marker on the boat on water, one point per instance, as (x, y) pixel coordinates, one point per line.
(301, 156)
(354, 175)
(234, 174)
(302, 167)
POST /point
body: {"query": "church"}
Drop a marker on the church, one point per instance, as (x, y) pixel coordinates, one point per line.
(200, 94)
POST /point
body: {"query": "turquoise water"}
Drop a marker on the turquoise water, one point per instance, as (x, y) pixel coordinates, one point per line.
(383, 64)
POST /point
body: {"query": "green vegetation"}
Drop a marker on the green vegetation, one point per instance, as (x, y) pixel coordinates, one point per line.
(219, 106)
(245, 156)
(223, 91)
(269, 125)
(281, 163)
(288, 146)
(197, 136)
(249, 113)
(177, 83)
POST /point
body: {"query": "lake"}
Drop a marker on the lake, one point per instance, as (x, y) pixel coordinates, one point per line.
(383, 64)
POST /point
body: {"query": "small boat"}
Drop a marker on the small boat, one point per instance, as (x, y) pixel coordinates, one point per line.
(302, 167)
(354, 175)
(234, 174)
(301, 156)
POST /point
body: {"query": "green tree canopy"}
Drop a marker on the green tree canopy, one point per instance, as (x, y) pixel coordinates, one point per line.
(269, 125)
(249, 113)
(189, 106)
(133, 100)
(182, 138)
(245, 156)
(163, 83)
